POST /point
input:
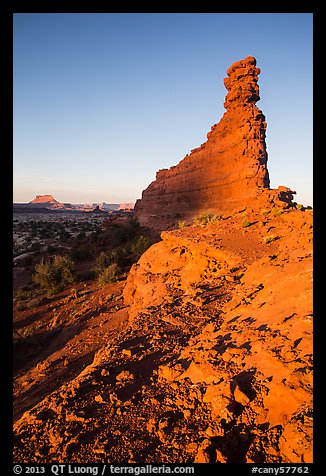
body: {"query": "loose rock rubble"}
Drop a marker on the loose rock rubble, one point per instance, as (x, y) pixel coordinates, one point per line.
(213, 365)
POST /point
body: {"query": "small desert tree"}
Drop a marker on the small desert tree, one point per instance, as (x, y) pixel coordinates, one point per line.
(102, 261)
(53, 275)
(108, 274)
(139, 247)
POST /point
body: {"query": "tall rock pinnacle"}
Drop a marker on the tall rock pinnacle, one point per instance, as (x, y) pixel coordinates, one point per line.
(228, 171)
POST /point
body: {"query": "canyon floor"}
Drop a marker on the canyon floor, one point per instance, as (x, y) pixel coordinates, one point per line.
(203, 353)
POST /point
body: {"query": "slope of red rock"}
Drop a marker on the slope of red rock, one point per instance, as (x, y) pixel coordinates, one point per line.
(226, 172)
(214, 363)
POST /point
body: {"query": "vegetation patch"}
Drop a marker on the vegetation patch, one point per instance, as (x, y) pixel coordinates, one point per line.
(205, 218)
(277, 211)
(139, 247)
(54, 274)
(109, 274)
(245, 223)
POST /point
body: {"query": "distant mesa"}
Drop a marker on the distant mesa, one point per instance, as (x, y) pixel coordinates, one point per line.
(44, 199)
(228, 171)
(47, 203)
(126, 206)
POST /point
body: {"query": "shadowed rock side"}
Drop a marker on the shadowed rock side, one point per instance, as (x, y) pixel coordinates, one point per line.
(229, 170)
(213, 365)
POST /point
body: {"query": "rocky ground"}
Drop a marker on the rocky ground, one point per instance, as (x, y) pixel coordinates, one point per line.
(204, 353)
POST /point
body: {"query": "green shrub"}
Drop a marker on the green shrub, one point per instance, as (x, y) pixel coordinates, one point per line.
(114, 235)
(245, 223)
(102, 261)
(117, 233)
(139, 247)
(22, 295)
(53, 275)
(299, 206)
(94, 236)
(118, 256)
(81, 236)
(21, 307)
(181, 224)
(109, 274)
(33, 303)
(64, 236)
(80, 253)
(133, 224)
(205, 218)
(277, 212)
(265, 212)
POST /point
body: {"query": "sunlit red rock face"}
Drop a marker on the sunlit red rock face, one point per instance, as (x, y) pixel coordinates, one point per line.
(229, 170)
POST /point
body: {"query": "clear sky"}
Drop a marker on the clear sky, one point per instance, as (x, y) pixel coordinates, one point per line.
(102, 101)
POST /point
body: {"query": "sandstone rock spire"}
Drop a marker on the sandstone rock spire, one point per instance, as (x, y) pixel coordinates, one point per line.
(229, 170)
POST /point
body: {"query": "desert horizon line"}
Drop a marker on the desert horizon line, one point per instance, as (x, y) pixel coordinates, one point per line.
(73, 201)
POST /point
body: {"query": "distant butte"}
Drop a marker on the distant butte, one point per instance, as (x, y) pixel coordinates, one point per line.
(44, 199)
(228, 171)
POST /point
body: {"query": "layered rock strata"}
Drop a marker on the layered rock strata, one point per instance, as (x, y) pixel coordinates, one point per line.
(226, 172)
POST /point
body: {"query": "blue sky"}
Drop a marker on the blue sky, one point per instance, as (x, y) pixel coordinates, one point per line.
(103, 101)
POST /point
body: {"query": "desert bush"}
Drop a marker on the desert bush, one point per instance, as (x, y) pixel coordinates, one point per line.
(21, 307)
(94, 236)
(118, 256)
(33, 303)
(277, 212)
(108, 274)
(205, 218)
(181, 224)
(102, 261)
(80, 253)
(64, 236)
(245, 223)
(53, 275)
(133, 224)
(22, 295)
(121, 233)
(139, 247)
(81, 236)
(299, 206)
